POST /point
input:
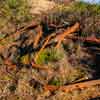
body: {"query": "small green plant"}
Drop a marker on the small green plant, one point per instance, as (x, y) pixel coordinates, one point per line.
(49, 55)
(56, 82)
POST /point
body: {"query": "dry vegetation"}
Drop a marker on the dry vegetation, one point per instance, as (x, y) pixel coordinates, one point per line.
(52, 55)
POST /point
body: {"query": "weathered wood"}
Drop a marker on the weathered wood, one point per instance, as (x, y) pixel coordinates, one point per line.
(67, 32)
(37, 66)
(86, 39)
(72, 87)
(38, 36)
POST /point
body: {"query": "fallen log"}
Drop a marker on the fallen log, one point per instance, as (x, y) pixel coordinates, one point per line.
(81, 85)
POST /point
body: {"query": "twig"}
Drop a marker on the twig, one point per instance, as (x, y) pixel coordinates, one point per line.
(13, 66)
(9, 64)
(39, 66)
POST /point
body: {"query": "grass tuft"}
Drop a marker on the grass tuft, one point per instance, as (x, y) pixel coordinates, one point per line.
(49, 55)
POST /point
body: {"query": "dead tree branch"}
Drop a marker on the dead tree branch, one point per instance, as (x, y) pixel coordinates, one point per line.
(70, 30)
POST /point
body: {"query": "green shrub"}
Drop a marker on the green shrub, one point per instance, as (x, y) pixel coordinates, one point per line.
(49, 55)
(56, 82)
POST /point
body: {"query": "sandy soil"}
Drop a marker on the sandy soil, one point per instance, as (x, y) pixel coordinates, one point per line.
(38, 6)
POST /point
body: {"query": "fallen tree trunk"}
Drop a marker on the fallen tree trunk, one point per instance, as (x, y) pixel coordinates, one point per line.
(72, 87)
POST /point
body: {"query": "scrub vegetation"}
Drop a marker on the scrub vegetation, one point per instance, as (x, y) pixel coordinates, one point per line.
(52, 55)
